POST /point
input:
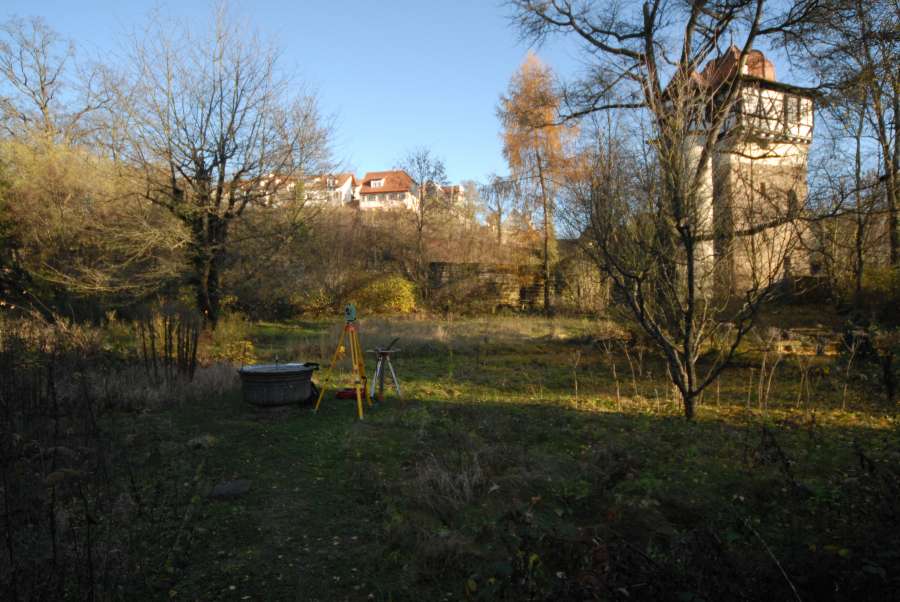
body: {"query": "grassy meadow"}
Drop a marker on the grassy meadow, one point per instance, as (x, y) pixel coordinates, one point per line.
(530, 459)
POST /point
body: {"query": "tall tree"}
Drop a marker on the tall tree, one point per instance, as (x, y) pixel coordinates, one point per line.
(853, 46)
(70, 232)
(499, 195)
(44, 91)
(652, 238)
(430, 176)
(533, 144)
(212, 131)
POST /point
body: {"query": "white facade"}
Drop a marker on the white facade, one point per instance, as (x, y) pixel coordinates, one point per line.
(388, 200)
(330, 189)
(754, 187)
(772, 113)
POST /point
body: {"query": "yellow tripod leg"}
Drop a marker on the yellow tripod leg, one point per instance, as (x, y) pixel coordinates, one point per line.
(361, 370)
(334, 360)
(355, 351)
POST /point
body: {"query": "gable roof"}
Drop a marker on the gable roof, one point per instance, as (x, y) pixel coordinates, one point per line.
(341, 179)
(394, 181)
(321, 180)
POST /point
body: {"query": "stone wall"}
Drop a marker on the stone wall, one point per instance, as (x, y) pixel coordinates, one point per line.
(484, 287)
(576, 285)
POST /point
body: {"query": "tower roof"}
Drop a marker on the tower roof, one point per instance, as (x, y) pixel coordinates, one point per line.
(721, 68)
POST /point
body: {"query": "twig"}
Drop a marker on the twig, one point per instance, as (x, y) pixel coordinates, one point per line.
(774, 559)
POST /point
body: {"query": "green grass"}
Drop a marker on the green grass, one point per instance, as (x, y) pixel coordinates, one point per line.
(494, 479)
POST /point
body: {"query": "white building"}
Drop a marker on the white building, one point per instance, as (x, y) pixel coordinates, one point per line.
(388, 190)
(755, 187)
(332, 189)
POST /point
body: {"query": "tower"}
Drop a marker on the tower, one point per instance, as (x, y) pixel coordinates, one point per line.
(759, 173)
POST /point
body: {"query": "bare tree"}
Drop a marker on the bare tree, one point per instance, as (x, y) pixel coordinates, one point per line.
(654, 238)
(43, 89)
(499, 196)
(212, 131)
(853, 46)
(75, 233)
(850, 239)
(430, 177)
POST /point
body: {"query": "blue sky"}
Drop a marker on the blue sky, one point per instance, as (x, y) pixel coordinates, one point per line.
(395, 74)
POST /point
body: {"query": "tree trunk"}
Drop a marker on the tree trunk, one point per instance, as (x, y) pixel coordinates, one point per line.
(687, 400)
(894, 236)
(893, 173)
(208, 291)
(859, 264)
(548, 218)
(421, 276)
(209, 234)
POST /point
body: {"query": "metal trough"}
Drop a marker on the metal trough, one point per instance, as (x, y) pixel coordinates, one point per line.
(278, 384)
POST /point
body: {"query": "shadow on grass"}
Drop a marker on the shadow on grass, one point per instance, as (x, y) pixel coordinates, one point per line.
(437, 499)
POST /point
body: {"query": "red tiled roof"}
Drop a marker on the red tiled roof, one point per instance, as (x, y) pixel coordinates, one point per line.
(394, 181)
(719, 69)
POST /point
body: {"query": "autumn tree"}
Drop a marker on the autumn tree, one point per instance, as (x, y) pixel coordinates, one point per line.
(213, 131)
(534, 145)
(643, 205)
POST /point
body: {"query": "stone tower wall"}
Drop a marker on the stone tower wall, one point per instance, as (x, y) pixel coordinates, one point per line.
(759, 190)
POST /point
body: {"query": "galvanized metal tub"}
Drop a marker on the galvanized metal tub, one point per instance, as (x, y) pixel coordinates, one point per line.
(278, 384)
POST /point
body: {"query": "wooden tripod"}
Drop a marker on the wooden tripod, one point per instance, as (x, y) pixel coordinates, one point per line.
(359, 369)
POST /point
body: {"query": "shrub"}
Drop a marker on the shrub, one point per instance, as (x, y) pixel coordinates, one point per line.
(881, 292)
(313, 300)
(230, 341)
(392, 294)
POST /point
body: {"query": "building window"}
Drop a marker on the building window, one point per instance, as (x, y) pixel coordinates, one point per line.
(377, 183)
(805, 107)
(792, 109)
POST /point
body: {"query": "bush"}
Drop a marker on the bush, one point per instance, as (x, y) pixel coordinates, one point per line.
(392, 294)
(881, 292)
(230, 341)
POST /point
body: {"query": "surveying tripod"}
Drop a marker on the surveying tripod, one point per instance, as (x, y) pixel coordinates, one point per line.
(382, 360)
(359, 369)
